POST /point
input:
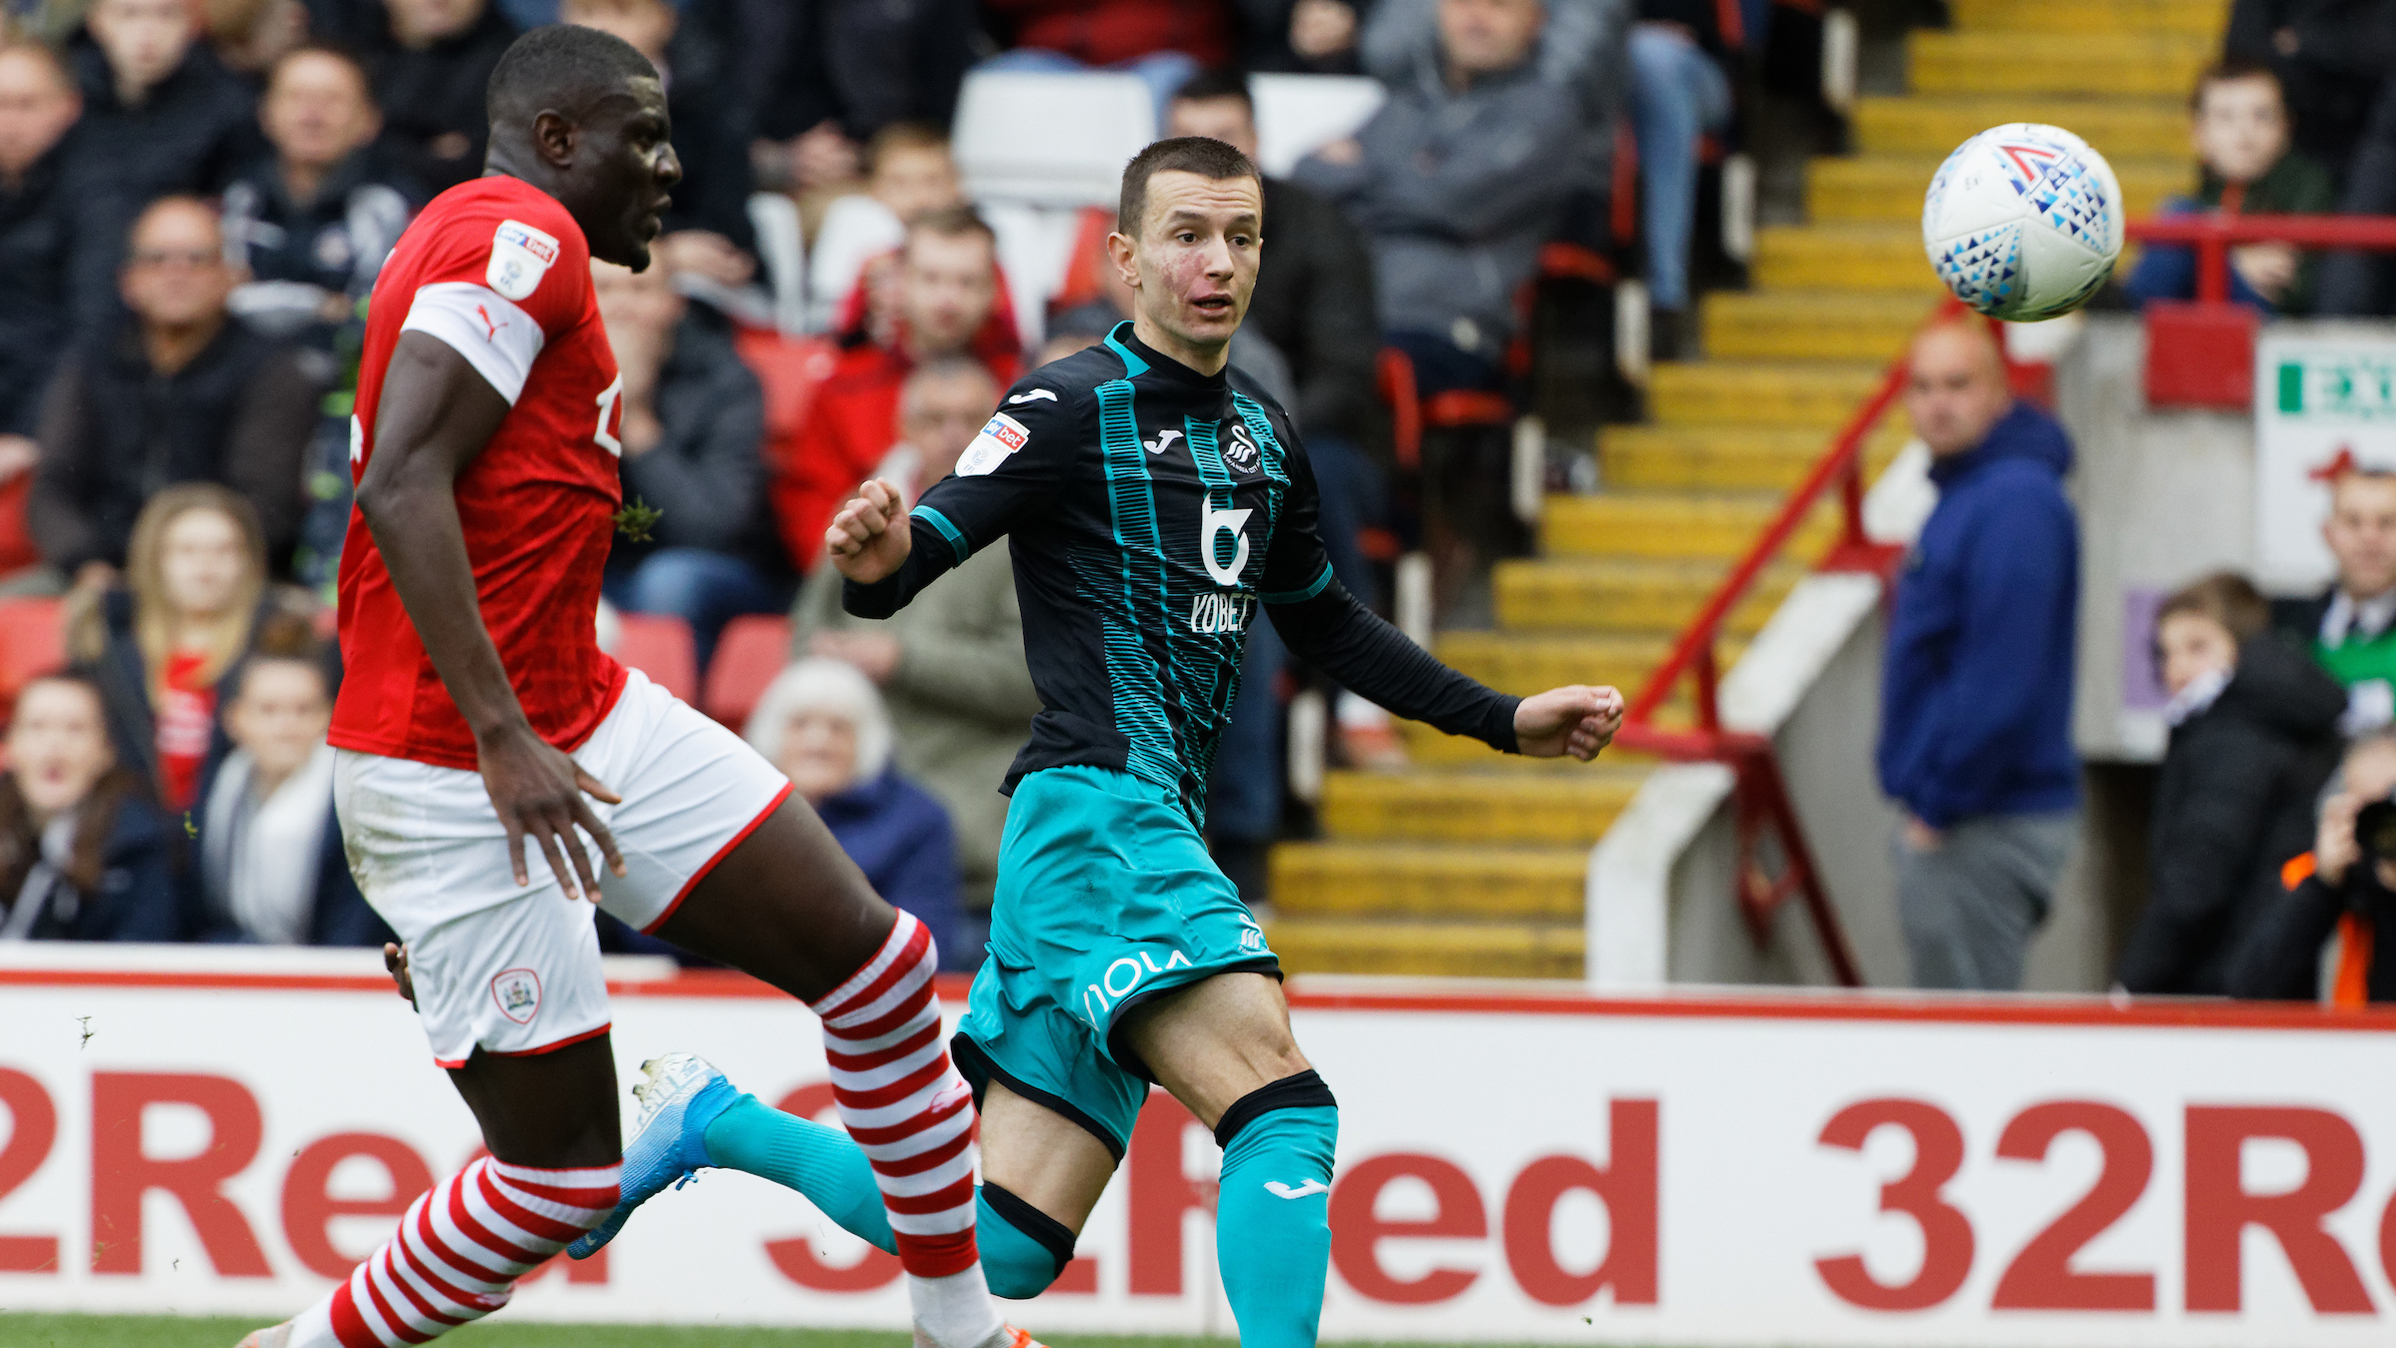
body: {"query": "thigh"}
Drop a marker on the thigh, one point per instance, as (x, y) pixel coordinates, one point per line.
(554, 1110)
(1042, 1157)
(786, 905)
(1211, 1043)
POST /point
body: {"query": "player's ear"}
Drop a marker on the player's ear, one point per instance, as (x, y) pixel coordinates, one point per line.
(1121, 251)
(554, 136)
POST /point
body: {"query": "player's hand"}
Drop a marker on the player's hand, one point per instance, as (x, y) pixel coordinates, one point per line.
(539, 792)
(870, 538)
(1577, 720)
(395, 962)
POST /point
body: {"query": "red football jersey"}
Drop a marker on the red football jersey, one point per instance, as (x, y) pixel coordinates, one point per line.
(500, 272)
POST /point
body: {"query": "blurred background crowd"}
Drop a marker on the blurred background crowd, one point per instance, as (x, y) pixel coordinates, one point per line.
(196, 196)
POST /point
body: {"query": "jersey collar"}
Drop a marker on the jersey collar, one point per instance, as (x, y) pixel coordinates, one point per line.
(1140, 358)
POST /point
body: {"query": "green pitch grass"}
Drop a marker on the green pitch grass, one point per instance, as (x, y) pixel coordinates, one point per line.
(166, 1331)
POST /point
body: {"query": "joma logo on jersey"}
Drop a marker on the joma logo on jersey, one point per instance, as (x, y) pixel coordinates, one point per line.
(1121, 979)
(1215, 612)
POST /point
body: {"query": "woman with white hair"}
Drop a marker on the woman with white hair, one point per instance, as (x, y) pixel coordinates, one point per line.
(822, 723)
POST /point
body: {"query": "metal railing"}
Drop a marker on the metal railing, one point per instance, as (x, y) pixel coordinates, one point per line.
(2213, 234)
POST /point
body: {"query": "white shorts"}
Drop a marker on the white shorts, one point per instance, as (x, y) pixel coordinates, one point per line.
(515, 970)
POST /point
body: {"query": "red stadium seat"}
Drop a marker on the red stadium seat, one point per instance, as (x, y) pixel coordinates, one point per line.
(16, 541)
(33, 640)
(660, 646)
(748, 655)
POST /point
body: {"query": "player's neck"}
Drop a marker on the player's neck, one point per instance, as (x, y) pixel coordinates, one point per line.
(1207, 360)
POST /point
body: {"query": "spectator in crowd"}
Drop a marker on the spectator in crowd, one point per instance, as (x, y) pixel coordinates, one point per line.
(249, 36)
(2254, 735)
(1679, 93)
(1976, 696)
(311, 225)
(1450, 183)
(2331, 56)
(945, 302)
(823, 725)
(161, 645)
(178, 392)
(707, 229)
(1164, 42)
(38, 108)
(161, 116)
(950, 665)
(431, 61)
(1305, 37)
(2239, 123)
(831, 75)
(692, 419)
(270, 867)
(2353, 283)
(83, 855)
(2351, 627)
(2338, 889)
(909, 174)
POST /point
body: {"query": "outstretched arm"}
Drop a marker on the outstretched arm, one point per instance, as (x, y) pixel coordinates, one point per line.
(437, 413)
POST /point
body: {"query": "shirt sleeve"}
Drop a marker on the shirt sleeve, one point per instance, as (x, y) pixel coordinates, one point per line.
(500, 291)
(1011, 472)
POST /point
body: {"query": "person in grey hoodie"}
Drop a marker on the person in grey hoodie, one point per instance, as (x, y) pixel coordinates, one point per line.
(1455, 184)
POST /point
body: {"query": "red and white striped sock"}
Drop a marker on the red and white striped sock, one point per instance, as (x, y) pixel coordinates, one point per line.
(457, 1254)
(905, 1105)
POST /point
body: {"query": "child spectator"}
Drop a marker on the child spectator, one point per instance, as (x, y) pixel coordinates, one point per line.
(2337, 889)
(823, 724)
(2239, 123)
(83, 855)
(271, 869)
(159, 646)
(2254, 735)
(2351, 627)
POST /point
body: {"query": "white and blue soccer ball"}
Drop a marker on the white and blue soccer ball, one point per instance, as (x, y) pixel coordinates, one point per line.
(2023, 221)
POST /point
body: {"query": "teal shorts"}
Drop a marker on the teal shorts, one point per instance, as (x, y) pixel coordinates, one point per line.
(1106, 898)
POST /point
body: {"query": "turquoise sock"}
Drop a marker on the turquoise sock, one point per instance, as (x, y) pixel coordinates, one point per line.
(1273, 1218)
(824, 1165)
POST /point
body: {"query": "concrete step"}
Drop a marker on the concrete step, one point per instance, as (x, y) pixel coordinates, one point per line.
(1379, 878)
(1672, 524)
(1844, 325)
(2108, 18)
(1848, 197)
(1843, 256)
(1429, 949)
(1809, 395)
(1429, 749)
(1622, 595)
(2120, 128)
(1476, 809)
(1526, 663)
(2119, 65)
(1686, 457)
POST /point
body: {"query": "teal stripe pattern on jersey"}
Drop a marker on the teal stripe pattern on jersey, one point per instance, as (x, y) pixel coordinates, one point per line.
(1276, 458)
(1216, 654)
(948, 530)
(1320, 583)
(1132, 672)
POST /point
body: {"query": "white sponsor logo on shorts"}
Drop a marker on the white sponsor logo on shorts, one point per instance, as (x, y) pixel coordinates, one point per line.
(520, 257)
(518, 993)
(1121, 979)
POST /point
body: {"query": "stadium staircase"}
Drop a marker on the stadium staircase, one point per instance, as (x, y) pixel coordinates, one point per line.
(1473, 864)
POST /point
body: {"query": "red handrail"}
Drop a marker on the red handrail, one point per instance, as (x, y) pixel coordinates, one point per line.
(2212, 234)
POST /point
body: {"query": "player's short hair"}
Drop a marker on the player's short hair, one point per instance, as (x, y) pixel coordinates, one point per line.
(950, 222)
(1209, 85)
(2230, 71)
(562, 68)
(899, 137)
(2227, 598)
(1201, 155)
(328, 51)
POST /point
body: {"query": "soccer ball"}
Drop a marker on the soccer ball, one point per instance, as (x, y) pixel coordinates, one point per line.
(2023, 221)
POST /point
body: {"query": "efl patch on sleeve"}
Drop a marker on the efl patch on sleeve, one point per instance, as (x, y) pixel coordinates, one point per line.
(1002, 436)
(520, 257)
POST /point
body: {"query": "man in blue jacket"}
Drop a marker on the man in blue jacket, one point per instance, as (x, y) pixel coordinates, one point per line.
(1976, 694)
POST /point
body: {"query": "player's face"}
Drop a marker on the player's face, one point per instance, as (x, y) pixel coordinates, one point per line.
(628, 168)
(2361, 533)
(57, 746)
(317, 111)
(1195, 264)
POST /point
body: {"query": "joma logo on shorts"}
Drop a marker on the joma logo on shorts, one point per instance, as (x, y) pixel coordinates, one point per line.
(1213, 611)
(1121, 979)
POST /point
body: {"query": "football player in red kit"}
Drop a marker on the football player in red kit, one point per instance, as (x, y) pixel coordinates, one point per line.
(496, 769)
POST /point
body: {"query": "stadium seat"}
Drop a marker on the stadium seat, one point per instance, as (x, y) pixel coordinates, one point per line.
(856, 229)
(16, 540)
(660, 646)
(1297, 115)
(1049, 140)
(781, 245)
(33, 640)
(748, 655)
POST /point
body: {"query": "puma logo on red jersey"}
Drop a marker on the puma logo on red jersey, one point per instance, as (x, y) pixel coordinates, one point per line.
(490, 328)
